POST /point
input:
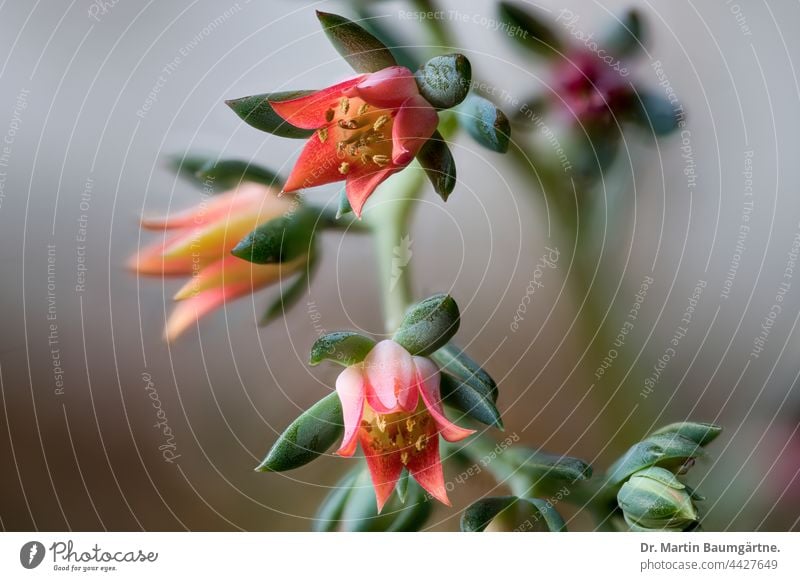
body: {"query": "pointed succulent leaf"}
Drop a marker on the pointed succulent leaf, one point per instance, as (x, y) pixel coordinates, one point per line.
(361, 50)
(306, 438)
(445, 80)
(428, 325)
(487, 124)
(344, 207)
(529, 29)
(700, 432)
(439, 165)
(343, 347)
(471, 402)
(534, 514)
(360, 512)
(666, 450)
(403, 54)
(290, 293)
(402, 486)
(257, 112)
(329, 512)
(626, 36)
(280, 239)
(544, 466)
(454, 361)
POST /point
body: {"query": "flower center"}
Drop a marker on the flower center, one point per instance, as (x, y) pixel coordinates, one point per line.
(401, 432)
(361, 134)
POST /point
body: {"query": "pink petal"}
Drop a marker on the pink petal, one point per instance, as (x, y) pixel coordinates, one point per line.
(428, 381)
(317, 165)
(384, 469)
(248, 196)
(308, 112)
(191, 310)
(390, 377)
(350, 387)
(414, 124)
(387, 88)
(426, 468)
(360, 186)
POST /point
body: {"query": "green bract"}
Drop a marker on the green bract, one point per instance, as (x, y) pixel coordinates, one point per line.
(281, 239)
(343, 347)
(524, 514)
(256, 111)
(309, 436)
(439, 165)
(428, 325)
(362, 51)
(487, 124)
(445, 80)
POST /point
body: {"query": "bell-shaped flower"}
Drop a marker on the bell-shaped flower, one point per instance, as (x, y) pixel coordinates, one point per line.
(392, 405)
(197, 243)
(366, 128)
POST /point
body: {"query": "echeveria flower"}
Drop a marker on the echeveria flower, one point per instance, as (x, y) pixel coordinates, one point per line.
(201, 248)
(392, 405)
(366, 128)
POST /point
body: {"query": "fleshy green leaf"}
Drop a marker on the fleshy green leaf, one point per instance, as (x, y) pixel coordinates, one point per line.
(306, 438)
(281, 239)
(290, 293)
(404, 55)
(487, 124)
(439, 165)
(653, 113)
(666, 450)
(627, 36)
(257, 112)
(466, 399)
(428, 325)
(534, 514)
(700, 432)
(343, 347)
(544, 466)
(229, 173)
(445, 80)
(454, 361)
(529, 30)
(330, 511)
(361, 50)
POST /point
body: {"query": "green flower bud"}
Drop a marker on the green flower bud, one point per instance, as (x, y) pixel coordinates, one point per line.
(654, 499)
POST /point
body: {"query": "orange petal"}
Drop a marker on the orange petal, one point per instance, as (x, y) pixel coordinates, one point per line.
(426, 468)
(317, 165)
(360, 186)
(384, 469)
(414, 124)
(191, 310)
(387, 88)
(151, 261)
(308, 112)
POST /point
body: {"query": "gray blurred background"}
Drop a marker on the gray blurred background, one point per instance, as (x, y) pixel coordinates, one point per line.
(82, 156)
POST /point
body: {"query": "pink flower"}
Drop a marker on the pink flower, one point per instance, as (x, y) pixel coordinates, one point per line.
(391, 404)
(367, 128)
(201, 248)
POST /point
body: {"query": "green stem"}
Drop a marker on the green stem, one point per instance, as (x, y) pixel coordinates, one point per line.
(389, 219)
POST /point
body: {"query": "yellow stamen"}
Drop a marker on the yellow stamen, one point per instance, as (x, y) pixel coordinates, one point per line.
(404, 458)
(420, 443)
(363, 109)
(344, 104)
(323, 134)
(381, 121)
(380, 160)
(381, 421)
(343, 169)
(410, 423)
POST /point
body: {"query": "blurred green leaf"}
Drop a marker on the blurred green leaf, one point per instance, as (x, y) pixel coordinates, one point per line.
(257, 112)
(343, 347)
(487, 124)
(653, 113)
(480, 514)
(280, 239)
(362, 51)
(330, 511)
(666, 450)
(700, 432)
(627, 36)
(428, 325)
(227, 174)
(290, 293)
(306, 438)
(529, 30)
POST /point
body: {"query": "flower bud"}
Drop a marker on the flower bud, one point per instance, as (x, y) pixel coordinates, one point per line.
(653, 499)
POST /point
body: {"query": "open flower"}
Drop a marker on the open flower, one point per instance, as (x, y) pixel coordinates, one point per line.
(200, 247)
(366, 129)
(392, 405)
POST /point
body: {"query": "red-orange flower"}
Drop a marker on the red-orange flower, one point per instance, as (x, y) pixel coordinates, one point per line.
(367, 128)
(201, 249)
(392, 405)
